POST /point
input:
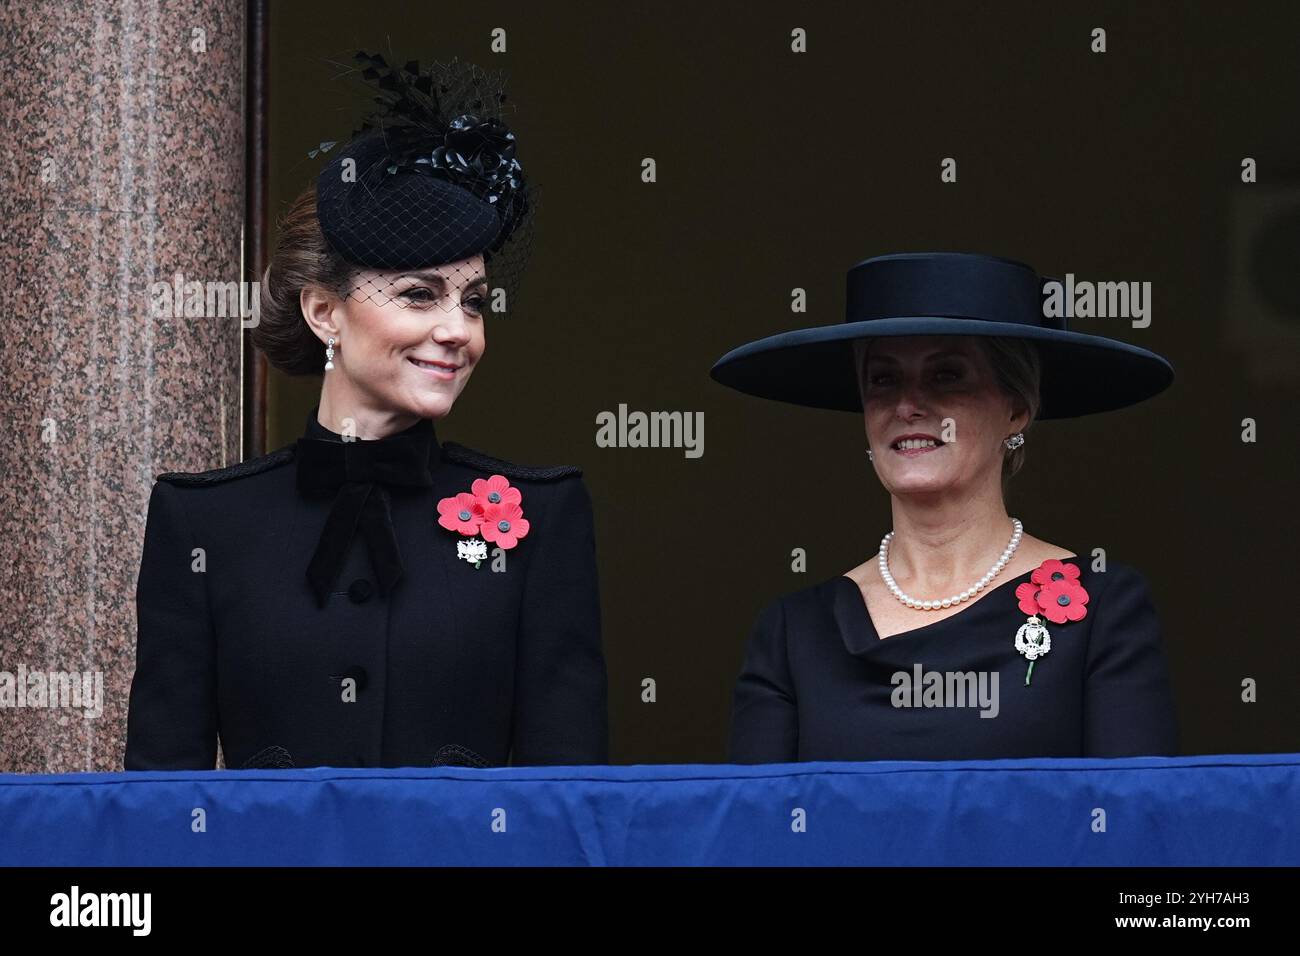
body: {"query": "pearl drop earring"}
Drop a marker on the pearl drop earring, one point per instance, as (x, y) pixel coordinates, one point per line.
(329, 355)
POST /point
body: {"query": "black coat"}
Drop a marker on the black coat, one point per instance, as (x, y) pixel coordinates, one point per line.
(818, 683)
(505, 664)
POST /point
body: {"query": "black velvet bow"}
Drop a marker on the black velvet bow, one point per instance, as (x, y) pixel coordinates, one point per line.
(356, 473)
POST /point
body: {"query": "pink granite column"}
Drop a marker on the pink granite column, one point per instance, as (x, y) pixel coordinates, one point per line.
(123, 140)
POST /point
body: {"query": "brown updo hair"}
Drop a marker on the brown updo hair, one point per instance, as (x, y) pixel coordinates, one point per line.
(302, 258)
(1017, 367)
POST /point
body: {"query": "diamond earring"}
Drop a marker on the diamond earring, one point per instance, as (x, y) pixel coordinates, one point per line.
(870, 456)
(329, 355)
(1015, 441)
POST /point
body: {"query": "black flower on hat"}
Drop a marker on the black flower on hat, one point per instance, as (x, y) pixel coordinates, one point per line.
(480, 155)
(437, 176)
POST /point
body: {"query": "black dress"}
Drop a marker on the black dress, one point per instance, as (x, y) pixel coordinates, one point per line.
(819, 684)
(401, 653)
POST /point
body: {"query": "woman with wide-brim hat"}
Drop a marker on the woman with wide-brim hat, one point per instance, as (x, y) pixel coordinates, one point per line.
(964, 637)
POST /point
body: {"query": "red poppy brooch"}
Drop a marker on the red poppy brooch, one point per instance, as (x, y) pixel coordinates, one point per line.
(1052, 591)
(491, 512)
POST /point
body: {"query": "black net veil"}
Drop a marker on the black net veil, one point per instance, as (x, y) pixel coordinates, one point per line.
(428, 199)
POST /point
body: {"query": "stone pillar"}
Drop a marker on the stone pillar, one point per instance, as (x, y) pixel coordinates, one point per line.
(123, 137)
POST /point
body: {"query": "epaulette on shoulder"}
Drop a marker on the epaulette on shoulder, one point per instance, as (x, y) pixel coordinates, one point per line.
(242, 470)
(452, 451)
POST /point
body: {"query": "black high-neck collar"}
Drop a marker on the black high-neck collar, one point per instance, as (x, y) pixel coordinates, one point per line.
(314, 429)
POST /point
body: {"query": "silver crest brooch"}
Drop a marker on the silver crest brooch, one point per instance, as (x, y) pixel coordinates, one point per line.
(1033, 641)
(474, 551)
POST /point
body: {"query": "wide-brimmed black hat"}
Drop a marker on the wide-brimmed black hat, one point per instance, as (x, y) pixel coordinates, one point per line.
(945, 293)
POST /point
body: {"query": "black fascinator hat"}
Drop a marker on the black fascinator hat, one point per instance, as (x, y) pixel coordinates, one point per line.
(431, 177)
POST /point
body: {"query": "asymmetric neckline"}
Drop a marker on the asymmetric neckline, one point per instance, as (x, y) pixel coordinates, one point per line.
(988, 595)
(819, 685)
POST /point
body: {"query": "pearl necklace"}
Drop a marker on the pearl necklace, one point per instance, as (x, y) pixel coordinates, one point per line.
(956, 598)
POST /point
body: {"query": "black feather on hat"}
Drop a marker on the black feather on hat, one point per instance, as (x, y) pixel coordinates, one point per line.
(430, 177)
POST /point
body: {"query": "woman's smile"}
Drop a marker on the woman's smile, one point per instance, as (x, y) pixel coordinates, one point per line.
(444, 371)
(915, 447)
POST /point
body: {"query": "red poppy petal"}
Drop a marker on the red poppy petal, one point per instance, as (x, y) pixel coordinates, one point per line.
(1055, 614)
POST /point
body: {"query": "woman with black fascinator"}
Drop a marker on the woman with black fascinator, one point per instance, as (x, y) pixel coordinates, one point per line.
(370, 596)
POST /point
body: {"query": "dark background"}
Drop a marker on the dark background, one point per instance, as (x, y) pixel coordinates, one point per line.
(779, 170)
